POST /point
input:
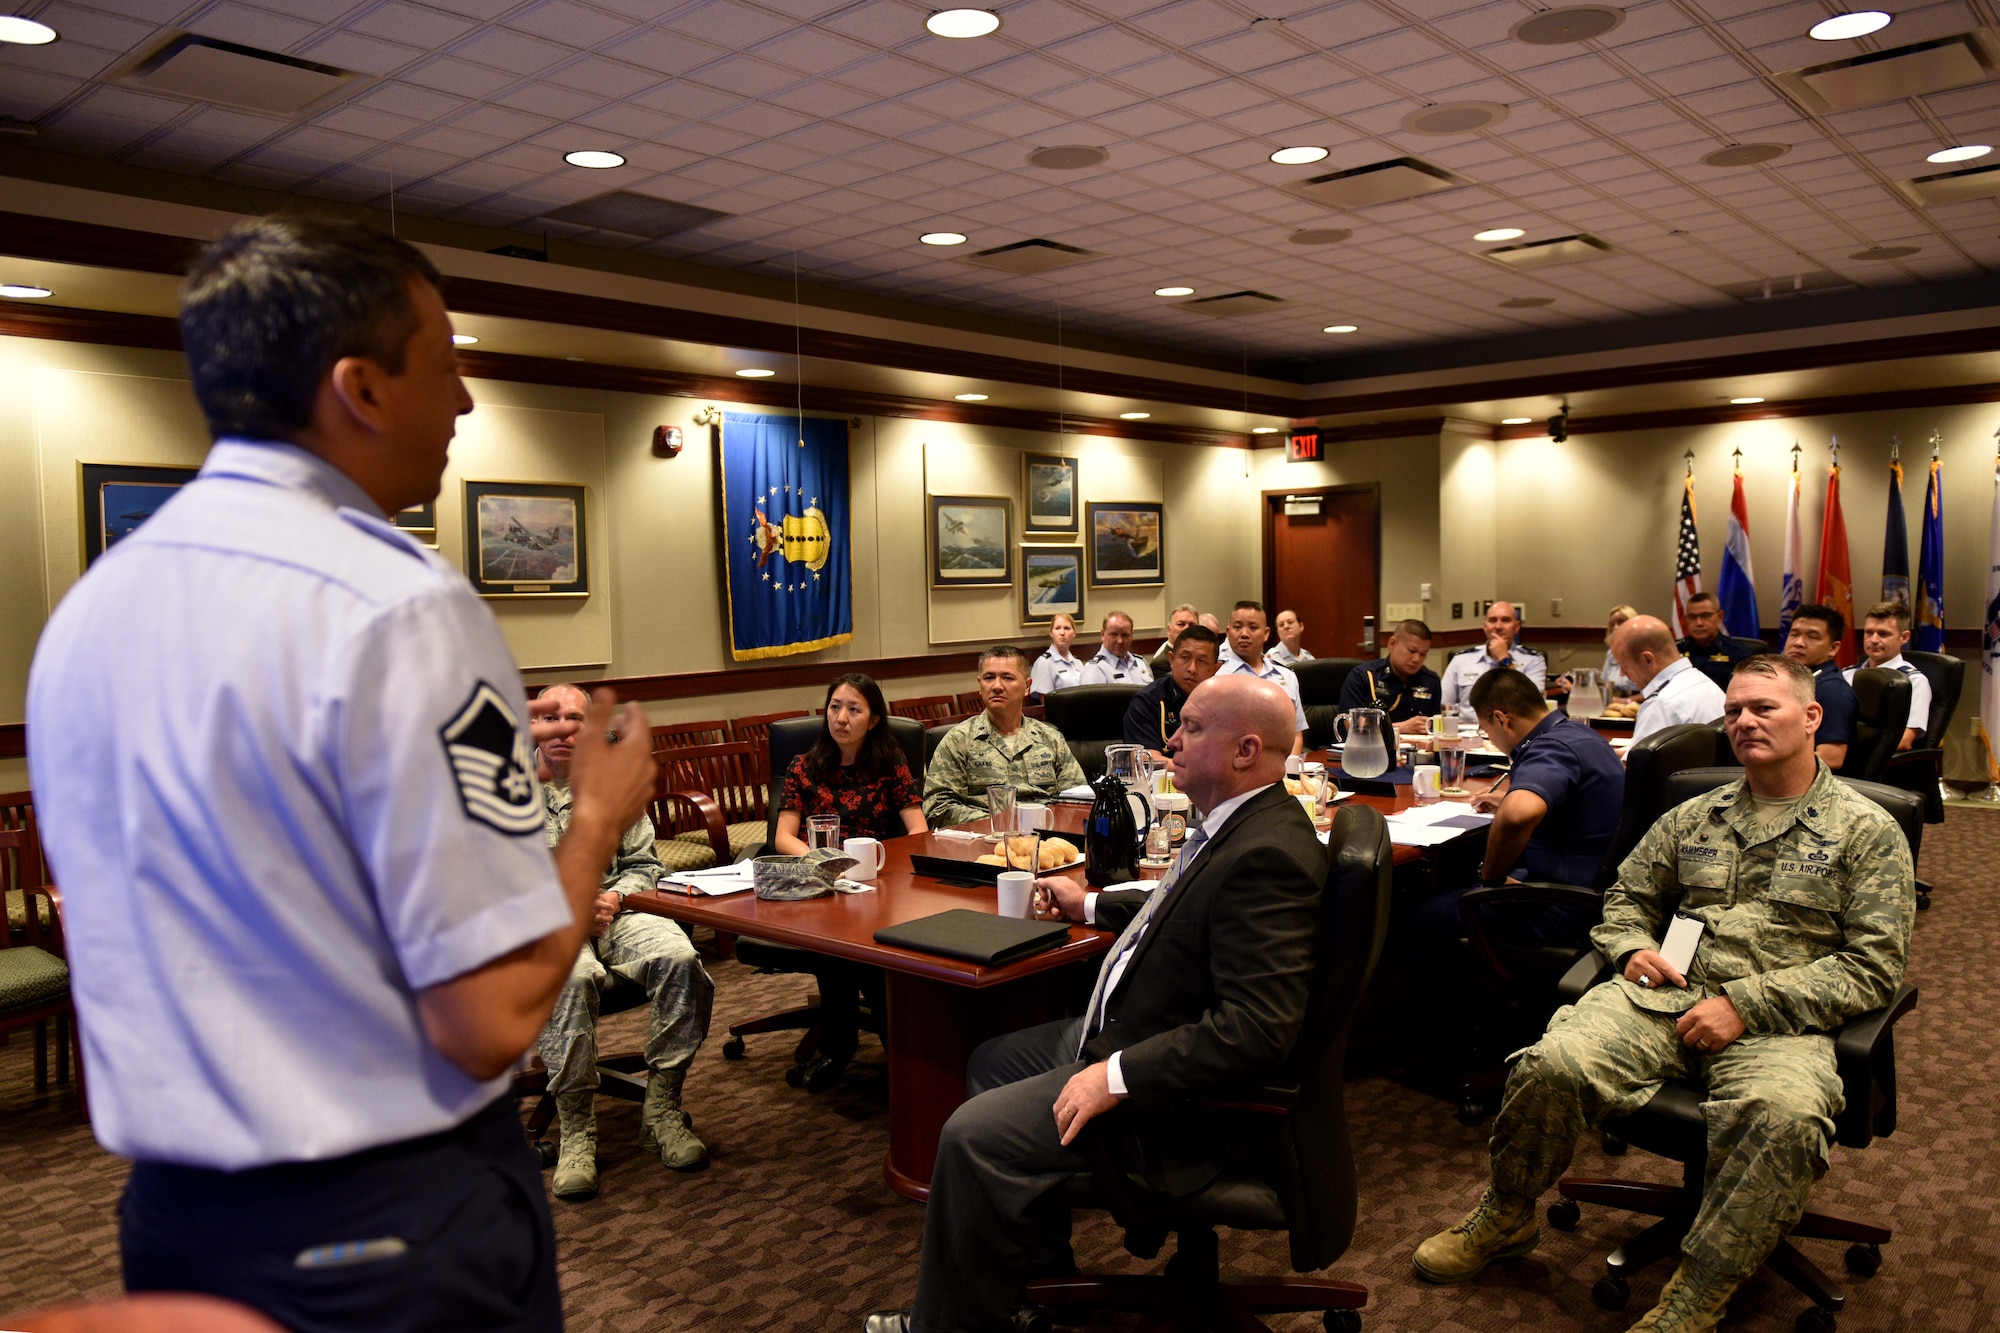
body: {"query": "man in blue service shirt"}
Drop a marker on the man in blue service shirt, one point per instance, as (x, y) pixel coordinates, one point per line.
(1813, 642)
(284, 779)
(1399, 684)
(1502, 649)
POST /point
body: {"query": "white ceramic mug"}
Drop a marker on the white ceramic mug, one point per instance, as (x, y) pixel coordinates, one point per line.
(1029, 816)
(867, 854)
(1424, 782)
(1017, 893)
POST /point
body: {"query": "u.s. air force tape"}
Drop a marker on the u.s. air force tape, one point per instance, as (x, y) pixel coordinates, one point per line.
(490, 760)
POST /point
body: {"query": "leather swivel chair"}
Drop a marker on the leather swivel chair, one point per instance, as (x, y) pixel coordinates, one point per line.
(1320, 683)
(1091, 718)
(789, 739)
(1920, 768)
(1303, 1183)
(1671, 1124)
(1881, 716)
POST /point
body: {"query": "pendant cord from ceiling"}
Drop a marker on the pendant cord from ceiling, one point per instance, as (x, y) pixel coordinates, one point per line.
(798, 351)
(1061, 427)
(392, 203)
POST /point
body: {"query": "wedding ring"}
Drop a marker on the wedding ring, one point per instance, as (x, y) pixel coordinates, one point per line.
(1703, 1043)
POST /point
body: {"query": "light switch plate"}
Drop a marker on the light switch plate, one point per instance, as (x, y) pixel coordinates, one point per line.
(1395, 611)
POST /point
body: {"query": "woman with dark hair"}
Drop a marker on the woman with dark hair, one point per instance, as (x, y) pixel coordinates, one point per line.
(855, 771)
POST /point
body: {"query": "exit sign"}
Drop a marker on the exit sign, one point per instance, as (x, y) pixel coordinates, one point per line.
(1303, 447)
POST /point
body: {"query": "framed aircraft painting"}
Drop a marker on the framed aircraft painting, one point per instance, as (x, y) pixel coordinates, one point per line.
(1051, 583)
(118, 497)
(1125, 544)
(971, 539)
(1049, 490)
(526, 540)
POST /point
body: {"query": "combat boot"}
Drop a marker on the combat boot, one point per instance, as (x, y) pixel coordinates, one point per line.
(666, 1129)
(1689, 1303)
(576, 1165)
(1499, 1228)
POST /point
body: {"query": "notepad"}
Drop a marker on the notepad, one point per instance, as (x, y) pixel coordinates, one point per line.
(975, 937)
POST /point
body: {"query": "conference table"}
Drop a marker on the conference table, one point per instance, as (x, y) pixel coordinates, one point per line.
(939, 1008)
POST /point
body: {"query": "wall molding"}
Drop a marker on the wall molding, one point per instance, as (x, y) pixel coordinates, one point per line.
(1888, 400)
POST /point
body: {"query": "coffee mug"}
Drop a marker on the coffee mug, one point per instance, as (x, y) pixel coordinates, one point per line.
(1017, 893)
(1424, 782)
(1029, 816)
(867, 854)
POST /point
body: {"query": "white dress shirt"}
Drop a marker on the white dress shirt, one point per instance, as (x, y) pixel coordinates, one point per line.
(284, 779)
(1920, 689)
(1271, 671)
(1284, 656)
(1104, 669)
(1054, 671)
(1680, 693)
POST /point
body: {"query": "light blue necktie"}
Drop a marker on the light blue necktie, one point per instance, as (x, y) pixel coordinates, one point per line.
(1128, 939)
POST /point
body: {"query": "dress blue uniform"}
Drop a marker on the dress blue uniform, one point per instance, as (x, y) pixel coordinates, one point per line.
(1717, 660)
(1838, 705)
(1376, 685)
(1155, 713)
(286, 784)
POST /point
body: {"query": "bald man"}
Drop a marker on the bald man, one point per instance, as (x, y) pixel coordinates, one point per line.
(1671, 689)
(1204, 990)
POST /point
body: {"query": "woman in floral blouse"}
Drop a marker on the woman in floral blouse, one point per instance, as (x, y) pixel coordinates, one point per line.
(856, 771)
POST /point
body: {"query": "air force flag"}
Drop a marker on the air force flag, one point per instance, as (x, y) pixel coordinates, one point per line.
(785, 552)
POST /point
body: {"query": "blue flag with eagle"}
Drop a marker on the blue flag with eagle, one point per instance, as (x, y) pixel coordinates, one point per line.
(785, 550)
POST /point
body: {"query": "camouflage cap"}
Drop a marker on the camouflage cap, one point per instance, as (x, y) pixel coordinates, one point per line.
(794, 878)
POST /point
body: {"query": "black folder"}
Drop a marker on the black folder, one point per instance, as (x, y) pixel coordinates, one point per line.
(975, 937)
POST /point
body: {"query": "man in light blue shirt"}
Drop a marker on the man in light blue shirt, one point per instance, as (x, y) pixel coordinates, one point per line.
(1503, 629)
(1248, 633)
(1672, 690)
(283, 776)
(1114, 662)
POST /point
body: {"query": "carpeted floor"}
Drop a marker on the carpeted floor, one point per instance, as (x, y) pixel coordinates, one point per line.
(793, 1229)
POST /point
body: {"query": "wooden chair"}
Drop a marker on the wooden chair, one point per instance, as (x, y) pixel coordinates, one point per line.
(968, 703)
(756, 730)
(927, 708)
(681, 735)
(729, 775)
(34, 976)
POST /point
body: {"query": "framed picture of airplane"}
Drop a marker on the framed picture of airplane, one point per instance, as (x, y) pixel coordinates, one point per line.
(1049, 487)
(1125, 544)
(1051, 583)
(970, 541)
(526, 540)
(118, 497)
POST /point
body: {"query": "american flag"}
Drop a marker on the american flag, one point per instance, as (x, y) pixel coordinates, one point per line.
(1687, 560)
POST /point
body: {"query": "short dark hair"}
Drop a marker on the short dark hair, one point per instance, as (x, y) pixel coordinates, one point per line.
(274, 303)
(1885, 610)
(1506, 690)
(1200, 634)
(1703, 597)
(880, 751)
(1836, 623)
(1258, 607)
(1004, 650)
(1416, 629)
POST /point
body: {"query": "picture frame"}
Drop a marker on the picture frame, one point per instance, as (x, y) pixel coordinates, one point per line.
(419, 519)
(526, 540)
(971, 541)
(1126, 541)
(1051, 582)
(1051, 495)
(118, 497)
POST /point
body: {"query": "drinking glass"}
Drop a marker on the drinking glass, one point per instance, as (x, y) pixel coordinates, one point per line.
(1022, 851)
(1451, 769)
(1000, 806)
(823, 831)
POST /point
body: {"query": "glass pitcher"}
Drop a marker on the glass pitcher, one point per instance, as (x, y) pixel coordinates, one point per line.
(1365, 734)
(1134, 766)
(1586, 693)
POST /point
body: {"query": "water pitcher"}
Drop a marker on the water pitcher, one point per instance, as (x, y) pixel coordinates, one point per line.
(1365, 733)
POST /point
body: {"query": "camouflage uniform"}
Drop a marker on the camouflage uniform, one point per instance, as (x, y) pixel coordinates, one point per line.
(650, 950)
(1035, 760)
(1807, 926)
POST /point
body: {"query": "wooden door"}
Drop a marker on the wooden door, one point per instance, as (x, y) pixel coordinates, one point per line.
(1324, 566)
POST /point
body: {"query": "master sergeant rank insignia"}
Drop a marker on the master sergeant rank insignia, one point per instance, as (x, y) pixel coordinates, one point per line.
(490, 758)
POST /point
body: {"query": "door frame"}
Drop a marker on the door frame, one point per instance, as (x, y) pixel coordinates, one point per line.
(1268, 504)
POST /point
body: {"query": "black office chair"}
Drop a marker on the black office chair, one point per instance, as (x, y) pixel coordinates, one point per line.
(1920, 769)
(789, 739)
(1092, 719)
(1671, 1124)
(1881, 715)
(1320, 683)
(934, 737)
(1303, 1182)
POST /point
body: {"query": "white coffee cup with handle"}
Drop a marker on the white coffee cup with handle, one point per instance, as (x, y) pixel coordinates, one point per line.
(1029, 816)
(867, 854)
(1017, 893)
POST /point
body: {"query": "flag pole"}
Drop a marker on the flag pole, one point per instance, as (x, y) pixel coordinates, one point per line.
(1989, 700)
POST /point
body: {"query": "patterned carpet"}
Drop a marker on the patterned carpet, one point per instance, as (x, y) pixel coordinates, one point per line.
(793, 1229)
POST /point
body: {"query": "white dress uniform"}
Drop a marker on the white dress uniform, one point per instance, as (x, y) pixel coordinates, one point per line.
(1053, 671)
(284, 778)
(1463, 670)
(1104, 669)
(1680, 693)
(1271, 671)
(1285, 657)
(1920, 689)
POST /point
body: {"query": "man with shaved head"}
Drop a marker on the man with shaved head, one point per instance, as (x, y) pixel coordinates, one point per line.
(1204, 990)
(1671, 690)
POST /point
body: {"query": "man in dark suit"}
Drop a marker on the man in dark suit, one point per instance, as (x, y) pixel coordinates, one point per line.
(1204, 990)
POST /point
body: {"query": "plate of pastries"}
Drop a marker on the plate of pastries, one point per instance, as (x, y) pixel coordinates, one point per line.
(1625, 708)
(1054, 853)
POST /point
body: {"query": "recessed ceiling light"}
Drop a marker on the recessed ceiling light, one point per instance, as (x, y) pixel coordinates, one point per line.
(1745, 402)
(1341, 328)
(1844, 27)
(756, 374)
(1297, 157)
(1173, 291)
(1263, 430)
(1499, 234)
(1515, 421)
(591, 157)
(463, 339)
(942, 238)
(1133, 416)
(23, 290)
(970, 397)
(1965, 152)
(25, 32)
(963, 22)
